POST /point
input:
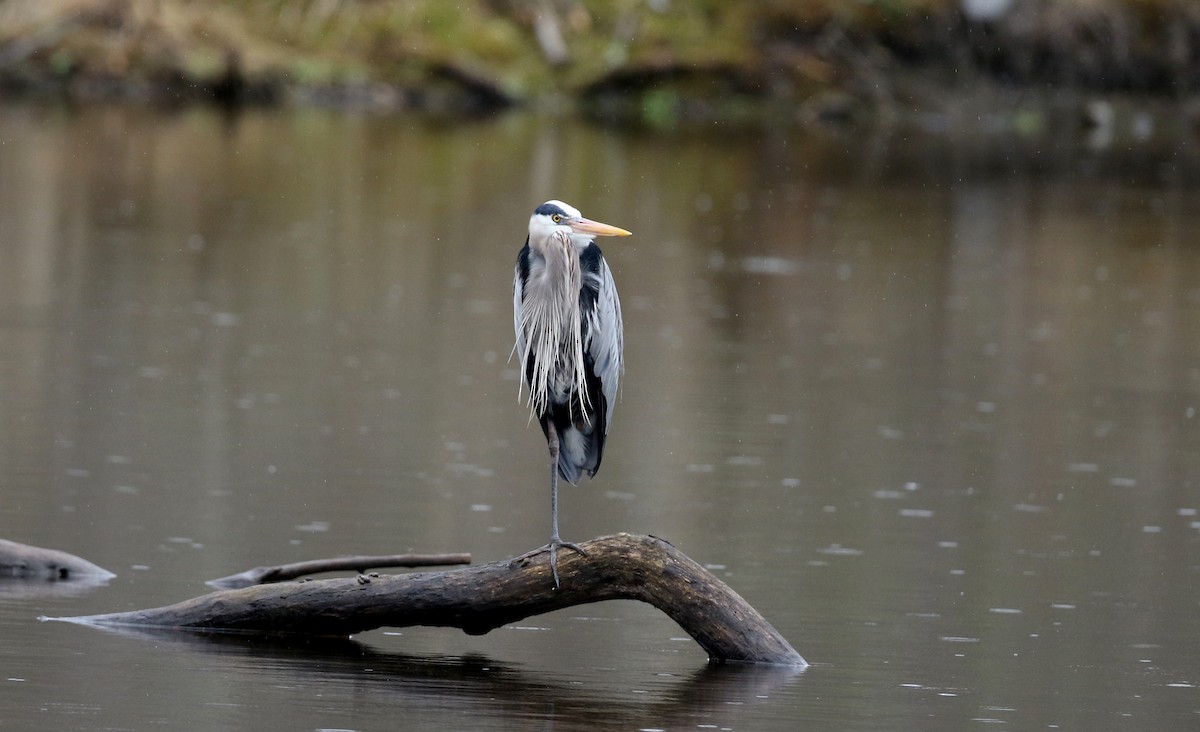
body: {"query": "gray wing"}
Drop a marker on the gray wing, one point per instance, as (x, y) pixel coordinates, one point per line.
(520, 274)
(604, 339)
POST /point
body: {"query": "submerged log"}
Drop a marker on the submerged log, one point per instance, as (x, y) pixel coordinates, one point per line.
(485, 597)
(34, 562)
(284, 572)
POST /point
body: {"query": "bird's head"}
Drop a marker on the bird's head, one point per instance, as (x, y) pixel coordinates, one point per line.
(556, 217)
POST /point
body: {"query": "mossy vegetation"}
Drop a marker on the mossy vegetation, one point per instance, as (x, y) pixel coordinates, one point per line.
(655, 60)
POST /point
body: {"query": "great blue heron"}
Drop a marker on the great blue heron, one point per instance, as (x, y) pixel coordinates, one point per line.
(569, 338)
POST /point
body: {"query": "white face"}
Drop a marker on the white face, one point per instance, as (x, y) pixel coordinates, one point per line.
(571, 210)
(542, 226)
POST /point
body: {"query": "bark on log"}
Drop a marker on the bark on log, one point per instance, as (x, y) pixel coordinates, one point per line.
(283, 572)
(34, 562)
(485, 597)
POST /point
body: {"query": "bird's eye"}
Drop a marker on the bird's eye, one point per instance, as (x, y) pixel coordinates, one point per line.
(556, 218)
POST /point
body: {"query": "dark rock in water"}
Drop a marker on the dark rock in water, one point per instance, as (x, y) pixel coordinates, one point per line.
(21, 561)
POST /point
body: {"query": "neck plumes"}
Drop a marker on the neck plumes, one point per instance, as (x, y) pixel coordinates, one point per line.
(551, 325)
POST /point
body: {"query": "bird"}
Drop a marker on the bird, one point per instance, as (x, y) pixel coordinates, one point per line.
(570, 341)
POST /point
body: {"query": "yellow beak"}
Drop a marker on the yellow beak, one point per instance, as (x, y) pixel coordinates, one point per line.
(595, 228)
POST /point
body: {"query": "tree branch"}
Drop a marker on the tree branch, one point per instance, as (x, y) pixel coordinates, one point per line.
(485, 597)
(283, 572)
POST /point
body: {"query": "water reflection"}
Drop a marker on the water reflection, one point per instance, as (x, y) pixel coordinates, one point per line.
(430, 687)
(39, 588)
(927, 403)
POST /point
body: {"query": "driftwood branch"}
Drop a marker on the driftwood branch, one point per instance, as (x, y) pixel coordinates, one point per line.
(482, 598)
(284, 572)
(34, 562)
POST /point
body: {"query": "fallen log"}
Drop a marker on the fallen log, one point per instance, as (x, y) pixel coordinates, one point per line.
(23, 561)
(482, 598)
(284, 572)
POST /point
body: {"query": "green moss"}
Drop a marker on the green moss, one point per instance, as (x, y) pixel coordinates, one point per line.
(61, 62)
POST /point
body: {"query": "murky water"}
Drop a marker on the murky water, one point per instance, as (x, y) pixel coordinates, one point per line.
(929, 404)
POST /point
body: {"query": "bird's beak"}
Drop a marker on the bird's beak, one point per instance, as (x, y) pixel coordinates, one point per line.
(595, 228)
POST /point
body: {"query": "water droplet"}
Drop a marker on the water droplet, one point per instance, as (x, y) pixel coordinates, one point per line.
(889, 433)
(839, 550)
(1029, 508)
(747, 460)
(770, 266)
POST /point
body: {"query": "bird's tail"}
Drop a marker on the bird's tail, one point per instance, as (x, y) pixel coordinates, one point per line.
(578, 452)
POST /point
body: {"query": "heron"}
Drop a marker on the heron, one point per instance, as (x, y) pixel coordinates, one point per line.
(569, 338)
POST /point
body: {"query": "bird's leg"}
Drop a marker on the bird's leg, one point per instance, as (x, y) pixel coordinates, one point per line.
(555, 540)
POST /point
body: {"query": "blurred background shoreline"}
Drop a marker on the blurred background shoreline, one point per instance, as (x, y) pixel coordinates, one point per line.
(646, 63)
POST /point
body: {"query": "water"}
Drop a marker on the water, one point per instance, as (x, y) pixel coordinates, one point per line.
(928, 402)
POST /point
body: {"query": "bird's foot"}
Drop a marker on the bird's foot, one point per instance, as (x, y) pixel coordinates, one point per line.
(553, 547)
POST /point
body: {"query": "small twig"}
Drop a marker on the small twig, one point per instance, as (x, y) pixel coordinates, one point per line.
(283, 572)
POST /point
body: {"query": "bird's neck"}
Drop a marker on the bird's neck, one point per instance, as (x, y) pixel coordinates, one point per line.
(560, 277)
(550, 321)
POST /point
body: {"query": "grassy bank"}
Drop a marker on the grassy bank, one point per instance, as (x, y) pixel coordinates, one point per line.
(645, 58)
